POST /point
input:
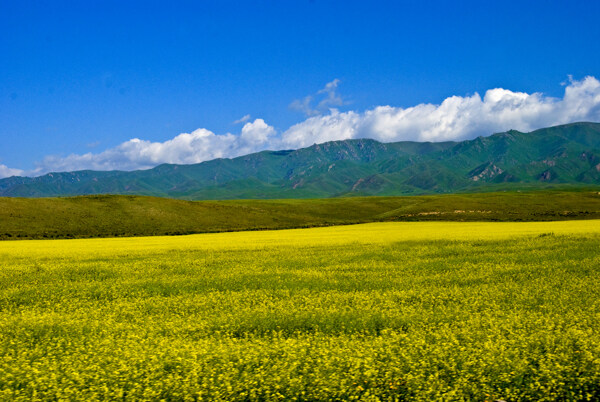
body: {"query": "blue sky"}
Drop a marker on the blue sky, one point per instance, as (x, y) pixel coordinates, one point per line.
(105, 85)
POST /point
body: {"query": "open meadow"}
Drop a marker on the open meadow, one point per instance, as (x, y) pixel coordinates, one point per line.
(377, 311)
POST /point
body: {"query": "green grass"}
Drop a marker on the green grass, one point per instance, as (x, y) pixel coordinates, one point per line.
(316, 314)
(111, 216)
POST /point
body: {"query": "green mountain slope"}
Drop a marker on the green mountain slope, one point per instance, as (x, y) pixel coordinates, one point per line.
(556, 156)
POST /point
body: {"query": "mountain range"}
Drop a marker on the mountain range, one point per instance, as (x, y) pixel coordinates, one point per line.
(566, 155)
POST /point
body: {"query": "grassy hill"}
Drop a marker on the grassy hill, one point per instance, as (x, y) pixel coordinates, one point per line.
(546, 158)
(119, 215)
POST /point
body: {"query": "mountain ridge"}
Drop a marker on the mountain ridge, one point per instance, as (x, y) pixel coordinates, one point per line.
(554, 156)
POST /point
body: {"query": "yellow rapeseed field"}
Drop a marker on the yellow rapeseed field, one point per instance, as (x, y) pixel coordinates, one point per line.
(369, 233)
(381, 311)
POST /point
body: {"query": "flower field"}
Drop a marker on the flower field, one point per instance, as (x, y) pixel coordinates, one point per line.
(379, 311)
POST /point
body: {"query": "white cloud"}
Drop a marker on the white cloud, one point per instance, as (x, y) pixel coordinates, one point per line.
(5, 171)
(242, 119)
(332, 98)
(197, 146)
(304, 105)
(334, 126)
(329, 98)
(456, 118)
(254, 137)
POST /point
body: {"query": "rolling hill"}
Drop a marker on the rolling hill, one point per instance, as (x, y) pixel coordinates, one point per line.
(127, 215)
(561, 156)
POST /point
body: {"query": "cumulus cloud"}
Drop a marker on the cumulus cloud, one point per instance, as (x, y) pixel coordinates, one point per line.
(455, 118)
(197, 146)
(5, 171)
(334, 126)
(327, 98)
